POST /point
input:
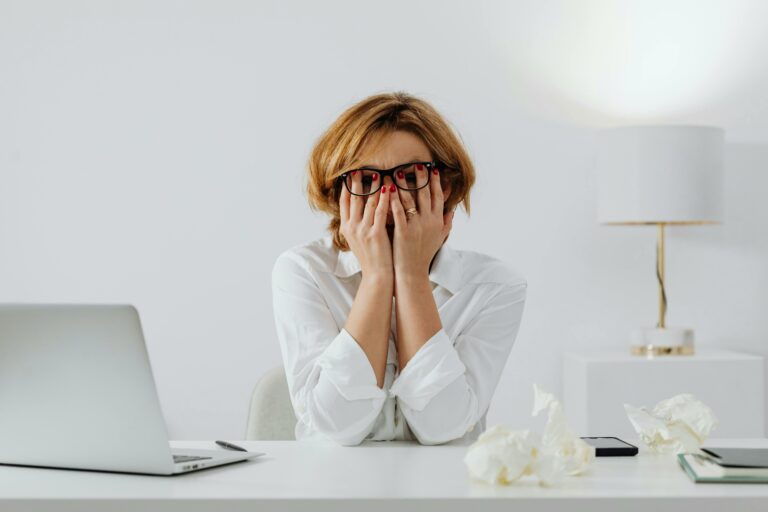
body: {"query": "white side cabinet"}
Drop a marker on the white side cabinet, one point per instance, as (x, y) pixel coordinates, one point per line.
(597, 385)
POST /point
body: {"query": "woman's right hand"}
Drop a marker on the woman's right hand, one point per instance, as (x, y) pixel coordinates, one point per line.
(363, 224)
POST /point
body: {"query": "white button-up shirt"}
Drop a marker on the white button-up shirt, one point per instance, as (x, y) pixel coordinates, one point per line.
(445, 389)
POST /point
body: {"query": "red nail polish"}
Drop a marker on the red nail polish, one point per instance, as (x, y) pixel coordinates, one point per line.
(419, 167)
(383, 189)
(434, 172)
(400, 174)
(354, 172)
(374, 177)
(391, 188)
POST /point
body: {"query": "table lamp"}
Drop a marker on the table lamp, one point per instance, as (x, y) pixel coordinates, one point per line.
(664, 175)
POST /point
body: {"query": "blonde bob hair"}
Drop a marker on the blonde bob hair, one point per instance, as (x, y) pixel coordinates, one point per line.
(367, 123)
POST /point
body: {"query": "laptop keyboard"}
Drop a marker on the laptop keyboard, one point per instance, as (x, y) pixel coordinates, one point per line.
(187, 458)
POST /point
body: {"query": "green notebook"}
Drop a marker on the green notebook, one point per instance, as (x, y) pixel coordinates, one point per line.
(702, 468)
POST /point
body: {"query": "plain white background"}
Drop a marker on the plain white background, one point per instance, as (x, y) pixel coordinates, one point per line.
(153, 152)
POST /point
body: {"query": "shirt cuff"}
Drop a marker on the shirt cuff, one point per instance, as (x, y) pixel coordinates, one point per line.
(433, 367)
(346, 366)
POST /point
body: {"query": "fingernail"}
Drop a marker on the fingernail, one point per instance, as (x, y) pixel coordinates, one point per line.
(391, 188)
(354, 172)
(383, 189)
(419, 167)
(374, 177)
(400, 174)
(434, 172)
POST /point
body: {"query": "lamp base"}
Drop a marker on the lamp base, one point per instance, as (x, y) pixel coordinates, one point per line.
(657, 341)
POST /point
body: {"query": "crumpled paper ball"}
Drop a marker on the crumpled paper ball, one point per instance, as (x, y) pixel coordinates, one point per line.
(675, 425)
(501, 455)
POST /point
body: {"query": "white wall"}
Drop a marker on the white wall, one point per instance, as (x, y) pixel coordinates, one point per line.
(153, 152)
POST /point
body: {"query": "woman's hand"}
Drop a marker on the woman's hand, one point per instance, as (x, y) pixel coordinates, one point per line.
(363, 224)
(417, 238)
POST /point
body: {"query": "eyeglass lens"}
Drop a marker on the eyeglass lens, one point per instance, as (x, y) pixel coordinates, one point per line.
(414, 177)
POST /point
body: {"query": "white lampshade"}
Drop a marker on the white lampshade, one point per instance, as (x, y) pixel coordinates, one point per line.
(660, 174)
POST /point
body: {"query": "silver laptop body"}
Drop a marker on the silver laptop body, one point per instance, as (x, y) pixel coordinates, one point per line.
(77, 391)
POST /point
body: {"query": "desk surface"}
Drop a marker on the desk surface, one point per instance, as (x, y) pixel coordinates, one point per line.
(375, 476)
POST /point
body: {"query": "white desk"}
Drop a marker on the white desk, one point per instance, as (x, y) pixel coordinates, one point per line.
(394, 476)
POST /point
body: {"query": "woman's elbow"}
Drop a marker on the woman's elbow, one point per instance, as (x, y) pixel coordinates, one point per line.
(343, 427)
(437, 436)
(348, 436)
(429, 441)
(443, 420)
(351, 439)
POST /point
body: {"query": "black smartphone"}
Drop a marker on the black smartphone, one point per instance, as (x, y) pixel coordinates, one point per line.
(610, 446)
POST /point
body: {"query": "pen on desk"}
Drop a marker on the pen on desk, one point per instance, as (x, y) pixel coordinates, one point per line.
(231, 446)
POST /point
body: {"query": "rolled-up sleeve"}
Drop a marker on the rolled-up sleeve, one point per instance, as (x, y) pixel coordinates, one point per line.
(447, 385)
(330, 380)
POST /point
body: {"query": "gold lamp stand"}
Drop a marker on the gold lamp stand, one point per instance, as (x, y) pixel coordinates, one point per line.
(662, 340)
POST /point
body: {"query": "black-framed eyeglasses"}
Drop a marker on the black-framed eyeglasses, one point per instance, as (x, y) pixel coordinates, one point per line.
(411, 176)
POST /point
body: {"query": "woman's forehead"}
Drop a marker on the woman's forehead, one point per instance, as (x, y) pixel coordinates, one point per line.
(390, 149)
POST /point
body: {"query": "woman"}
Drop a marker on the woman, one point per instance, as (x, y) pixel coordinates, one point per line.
(386, 332)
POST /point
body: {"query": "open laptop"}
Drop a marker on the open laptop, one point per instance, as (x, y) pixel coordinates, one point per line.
(77, 391)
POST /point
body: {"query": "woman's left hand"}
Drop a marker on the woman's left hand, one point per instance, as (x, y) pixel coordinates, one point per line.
(418, 237)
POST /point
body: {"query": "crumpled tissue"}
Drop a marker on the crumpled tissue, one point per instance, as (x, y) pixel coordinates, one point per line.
(675, 425)
(502, 456)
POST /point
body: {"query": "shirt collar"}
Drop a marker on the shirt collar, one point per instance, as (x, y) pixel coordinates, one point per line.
(446, 268)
